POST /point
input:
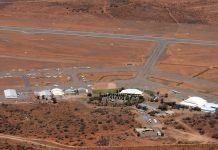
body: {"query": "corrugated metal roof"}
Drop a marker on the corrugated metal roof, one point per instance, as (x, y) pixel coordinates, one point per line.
(10, 94)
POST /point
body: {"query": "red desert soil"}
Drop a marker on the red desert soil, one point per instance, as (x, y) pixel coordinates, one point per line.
(10, 144)
(183, 69)
(104, 85)
(200, 88)
(108, 77)
(174, 83)
(11, 82)
(76, 124)
(71, 123)
(189, 59)
(71, 51)
(164, 81)
(186, 130)
(204, 124)
(129, 16)
(51, 80)
(211, 74)
(14, 63)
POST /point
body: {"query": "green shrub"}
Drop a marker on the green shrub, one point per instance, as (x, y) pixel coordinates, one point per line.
(149, 92)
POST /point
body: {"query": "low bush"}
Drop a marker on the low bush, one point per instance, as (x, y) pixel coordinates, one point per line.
(149, 92)
(103, 141)
(163, 107)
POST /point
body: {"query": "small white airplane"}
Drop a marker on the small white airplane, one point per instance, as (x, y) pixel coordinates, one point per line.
(176, 92)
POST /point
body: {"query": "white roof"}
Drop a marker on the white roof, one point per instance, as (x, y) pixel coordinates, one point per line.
(10, 93)
(194, 102)
(43, 93)
(57, 92)
(70, 91)
(212, 105)
(209, 107)
(83, 90)
(131, 91)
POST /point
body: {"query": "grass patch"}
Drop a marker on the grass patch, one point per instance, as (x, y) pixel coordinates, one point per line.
(149, 92)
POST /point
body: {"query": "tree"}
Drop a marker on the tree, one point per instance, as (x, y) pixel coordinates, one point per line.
(54, 100)
(141, 98)
(166, 95)
(163, 107)
(119, 90)
(161, 101)
(89, 94)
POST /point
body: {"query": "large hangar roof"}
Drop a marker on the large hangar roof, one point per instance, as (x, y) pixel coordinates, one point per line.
(131, 91)
(57, 92)
(194, 102)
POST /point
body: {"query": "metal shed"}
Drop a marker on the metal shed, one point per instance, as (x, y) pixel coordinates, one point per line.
(10, 94)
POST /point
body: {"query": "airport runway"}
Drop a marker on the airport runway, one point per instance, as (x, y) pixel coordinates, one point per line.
(104, 35)
(143, 71)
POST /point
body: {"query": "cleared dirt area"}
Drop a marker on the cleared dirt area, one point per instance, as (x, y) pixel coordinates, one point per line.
(70, 51)
(152, 17)
(165, 81)
(11, 82)
(16, 63)
(200, 88)
(107, 76)
(186, 85)
(49, 80)
(104, 85)
(191, 60)
(211, 74)
(183, 69)
(10, 144)
(197, 32)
